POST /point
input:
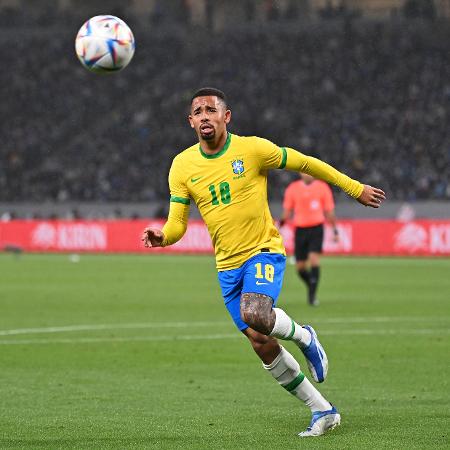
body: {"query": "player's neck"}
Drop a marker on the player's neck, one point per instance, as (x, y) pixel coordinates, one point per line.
(214, 146)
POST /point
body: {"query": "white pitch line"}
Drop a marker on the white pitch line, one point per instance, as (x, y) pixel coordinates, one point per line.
(149, 325)
(206, 337)
(113, 326)
(122, 339)
(386, 319)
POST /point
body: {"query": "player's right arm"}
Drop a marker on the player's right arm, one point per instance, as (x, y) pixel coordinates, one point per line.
(177, 219)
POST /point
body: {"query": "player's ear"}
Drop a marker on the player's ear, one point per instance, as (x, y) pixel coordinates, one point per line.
(227, 116)
(191, 121)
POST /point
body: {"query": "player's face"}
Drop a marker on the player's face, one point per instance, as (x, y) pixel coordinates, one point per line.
(209, 117)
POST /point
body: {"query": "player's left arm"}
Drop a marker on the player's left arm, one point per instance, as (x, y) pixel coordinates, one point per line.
(273, 157)
(367, 195)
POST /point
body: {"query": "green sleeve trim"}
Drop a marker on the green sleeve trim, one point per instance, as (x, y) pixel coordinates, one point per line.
(295, 382)
(284, 158)
(185, 201)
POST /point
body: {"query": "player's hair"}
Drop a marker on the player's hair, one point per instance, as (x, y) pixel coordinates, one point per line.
(210, 91)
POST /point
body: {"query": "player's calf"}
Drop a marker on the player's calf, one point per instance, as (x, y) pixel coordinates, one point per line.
(266, 347)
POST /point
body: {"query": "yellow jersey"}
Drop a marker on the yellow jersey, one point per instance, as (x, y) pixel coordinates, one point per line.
(230, 191)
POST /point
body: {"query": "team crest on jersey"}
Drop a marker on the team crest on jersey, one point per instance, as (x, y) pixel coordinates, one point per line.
(238, 166)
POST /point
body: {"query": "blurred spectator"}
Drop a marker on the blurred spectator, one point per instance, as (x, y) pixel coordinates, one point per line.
(419, 8)
(370, 98)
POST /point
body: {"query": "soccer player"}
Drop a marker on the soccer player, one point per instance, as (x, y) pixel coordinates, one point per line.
(226, 175)
(311, 203)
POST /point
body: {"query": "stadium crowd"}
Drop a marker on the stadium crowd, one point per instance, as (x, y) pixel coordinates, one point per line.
(370, 98)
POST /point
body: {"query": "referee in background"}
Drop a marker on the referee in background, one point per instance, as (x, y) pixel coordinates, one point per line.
(307, 204)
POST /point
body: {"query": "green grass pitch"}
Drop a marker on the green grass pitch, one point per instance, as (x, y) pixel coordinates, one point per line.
(136, 352)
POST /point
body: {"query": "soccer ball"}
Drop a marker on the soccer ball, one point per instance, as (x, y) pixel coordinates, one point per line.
(104, 44)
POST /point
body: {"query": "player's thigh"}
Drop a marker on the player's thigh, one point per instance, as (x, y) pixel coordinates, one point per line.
(264, 275)
(316, 239)
(231, 282)
(301, 247)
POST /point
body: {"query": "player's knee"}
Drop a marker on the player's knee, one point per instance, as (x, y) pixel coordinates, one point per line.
(251, 314)
(248, 316)
(256, 311)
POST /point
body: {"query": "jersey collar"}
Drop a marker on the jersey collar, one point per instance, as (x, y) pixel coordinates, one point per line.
(219, 153)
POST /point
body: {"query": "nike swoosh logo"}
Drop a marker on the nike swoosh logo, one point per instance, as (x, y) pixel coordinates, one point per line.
(258, 283)
(193, 180)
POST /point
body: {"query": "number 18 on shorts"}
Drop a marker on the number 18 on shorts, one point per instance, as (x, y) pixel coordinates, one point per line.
(261, 274)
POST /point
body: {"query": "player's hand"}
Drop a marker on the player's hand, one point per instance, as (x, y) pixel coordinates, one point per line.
(371, 196)
(152, 237)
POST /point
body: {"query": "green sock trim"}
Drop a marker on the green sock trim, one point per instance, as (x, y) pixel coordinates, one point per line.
(295, 382)
(292, 331)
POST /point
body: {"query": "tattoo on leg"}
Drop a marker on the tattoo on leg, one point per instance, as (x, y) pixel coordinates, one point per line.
(256, 311)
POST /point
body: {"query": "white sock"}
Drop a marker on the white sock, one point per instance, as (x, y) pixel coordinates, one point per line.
(311, 396)
(285, 328)
(286, 370)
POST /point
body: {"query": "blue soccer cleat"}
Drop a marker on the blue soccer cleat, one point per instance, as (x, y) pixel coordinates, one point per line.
(316, 357)
(321, 422)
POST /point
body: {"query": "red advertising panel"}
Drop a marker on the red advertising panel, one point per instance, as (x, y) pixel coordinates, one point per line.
(385, 237)
(357, 237)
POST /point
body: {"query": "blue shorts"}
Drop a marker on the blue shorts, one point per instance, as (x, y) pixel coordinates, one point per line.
(261, 274)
